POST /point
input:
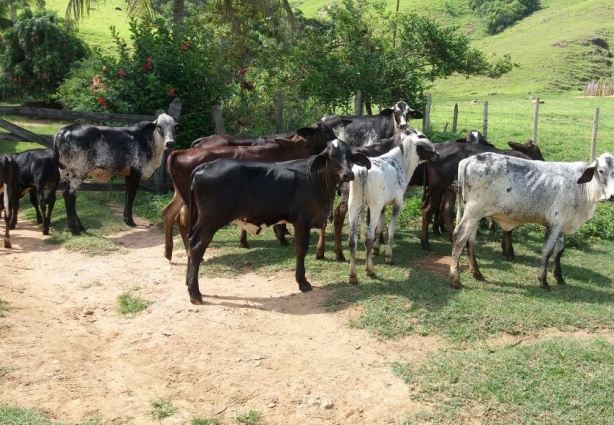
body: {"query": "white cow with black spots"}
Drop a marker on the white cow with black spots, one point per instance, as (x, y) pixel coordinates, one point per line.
(384, 184)
(558, 195)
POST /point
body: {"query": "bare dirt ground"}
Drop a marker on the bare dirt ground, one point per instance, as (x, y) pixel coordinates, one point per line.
(257, 344)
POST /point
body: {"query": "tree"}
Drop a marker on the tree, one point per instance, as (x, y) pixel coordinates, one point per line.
(31, 61)
(10, 8)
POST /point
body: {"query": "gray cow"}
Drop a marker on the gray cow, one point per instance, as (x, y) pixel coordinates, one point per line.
(558, 195)
(135, 152)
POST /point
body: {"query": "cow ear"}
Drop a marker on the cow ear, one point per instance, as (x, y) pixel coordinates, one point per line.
(305, 132)
(588, 173)
(415, 114)
(318, 163)
(386, 112)
(148, 127)
(159, 112)
(361, 159)
(346, 121)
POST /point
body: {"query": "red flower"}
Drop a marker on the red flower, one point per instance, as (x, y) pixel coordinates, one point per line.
(243, 71)
(146, 67)
(185, 46)
(172, 92)
(121, 73)
(149, 59)
(102, 101)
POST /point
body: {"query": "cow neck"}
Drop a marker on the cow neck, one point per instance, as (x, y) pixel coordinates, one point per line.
(324, 182)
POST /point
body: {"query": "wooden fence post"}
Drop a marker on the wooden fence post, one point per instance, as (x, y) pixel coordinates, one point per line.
(358, 103)
(455, 118)
(594, 139)
(485, 121)
(426, 122)
(279, 116)
(218, 119)
(535, 119)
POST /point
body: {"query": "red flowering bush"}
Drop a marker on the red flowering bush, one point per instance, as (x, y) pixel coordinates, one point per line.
(164, 62)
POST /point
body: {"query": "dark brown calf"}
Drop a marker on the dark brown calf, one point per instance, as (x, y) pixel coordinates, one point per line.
(181, 164)
(9, 191)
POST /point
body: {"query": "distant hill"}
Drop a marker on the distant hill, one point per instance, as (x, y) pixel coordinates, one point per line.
(558, 48)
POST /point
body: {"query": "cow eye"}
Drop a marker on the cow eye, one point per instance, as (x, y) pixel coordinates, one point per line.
(600, 171)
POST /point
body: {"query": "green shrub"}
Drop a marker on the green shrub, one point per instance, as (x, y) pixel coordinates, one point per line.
(32, 63)
(166, 61)
(500, 14)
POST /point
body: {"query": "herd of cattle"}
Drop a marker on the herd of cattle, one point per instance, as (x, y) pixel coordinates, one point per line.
(293, 178)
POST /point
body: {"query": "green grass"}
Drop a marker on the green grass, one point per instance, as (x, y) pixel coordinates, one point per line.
(130, 305)
(162, 408)
(204, 421)
(13, 415)
(94, 29)
(4, 306)
(248, 418)
(564, 380)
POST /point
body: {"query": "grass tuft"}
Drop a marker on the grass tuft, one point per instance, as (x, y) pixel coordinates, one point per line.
(131, 305)
(162, 408)
(250, 418)
(204, 421)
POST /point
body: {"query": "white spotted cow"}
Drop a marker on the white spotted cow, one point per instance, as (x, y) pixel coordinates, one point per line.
(384, 184)
(558, 195)
(135, 151)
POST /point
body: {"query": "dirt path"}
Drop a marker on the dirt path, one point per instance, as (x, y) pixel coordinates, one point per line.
(258, 343)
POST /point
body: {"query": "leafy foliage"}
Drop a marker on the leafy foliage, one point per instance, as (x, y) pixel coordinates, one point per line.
(165, 62)
(500, 14)
(31, 61)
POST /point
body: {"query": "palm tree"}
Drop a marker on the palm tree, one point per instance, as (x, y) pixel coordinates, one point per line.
(9, 8)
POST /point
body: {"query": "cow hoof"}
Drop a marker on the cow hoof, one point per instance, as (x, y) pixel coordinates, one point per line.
(353, 280)
(456, 284)
(340, 257)
(284, 242)
(375, 251)
(389, 261)
(371, 273)
(245, 245)
(168, 254)
(478, 276)
(305, 287)
(7, 243)
(12, 226)
(130, 222)
(545, 286)
(46, 232)
(196, 299)
(75, 232)
(425, 245)
(319, 255)
(511, 258)
(561, 282)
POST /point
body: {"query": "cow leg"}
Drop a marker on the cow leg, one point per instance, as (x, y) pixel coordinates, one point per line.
(321, 245)
(182, 223)
(7, 223)
(170, 214)
(431, 202)
(550, 241)
(392, 228)
(338, 219)
(473, 263)
(463, 230)
(280, 233)
(355, 211)
(447, 206)
(243, 239)
(492, 227)
(47, 205)
(559, 248)
(132, 184)
(34, 200)
(379, 230)
(506, 246)
(369, 240)
(70, 200)
(199, 242)
(12, 217)
(301, 243)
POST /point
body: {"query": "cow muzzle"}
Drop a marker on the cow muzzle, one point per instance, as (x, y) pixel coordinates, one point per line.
(611, 198)
(170, 144)
(347, 176)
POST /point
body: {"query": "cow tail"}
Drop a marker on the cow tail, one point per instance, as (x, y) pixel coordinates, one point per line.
(424, 177)
(192, 214)
(460, 201)
(362, 175)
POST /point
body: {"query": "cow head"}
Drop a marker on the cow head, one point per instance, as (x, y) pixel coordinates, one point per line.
(400, 113)
(340, 157)
(424, 147)
(529, 148)
(604, 167)
(318, 136)
(164, 130)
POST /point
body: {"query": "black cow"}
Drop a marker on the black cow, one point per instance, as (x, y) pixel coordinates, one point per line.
(367, 129)
(38, 170)
(300, 192)
(135, 152)
(9, 188)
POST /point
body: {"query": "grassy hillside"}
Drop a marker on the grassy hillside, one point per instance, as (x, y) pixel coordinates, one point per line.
(548, 45)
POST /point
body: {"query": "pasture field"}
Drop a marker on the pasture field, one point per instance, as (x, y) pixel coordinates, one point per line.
(498, 351)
